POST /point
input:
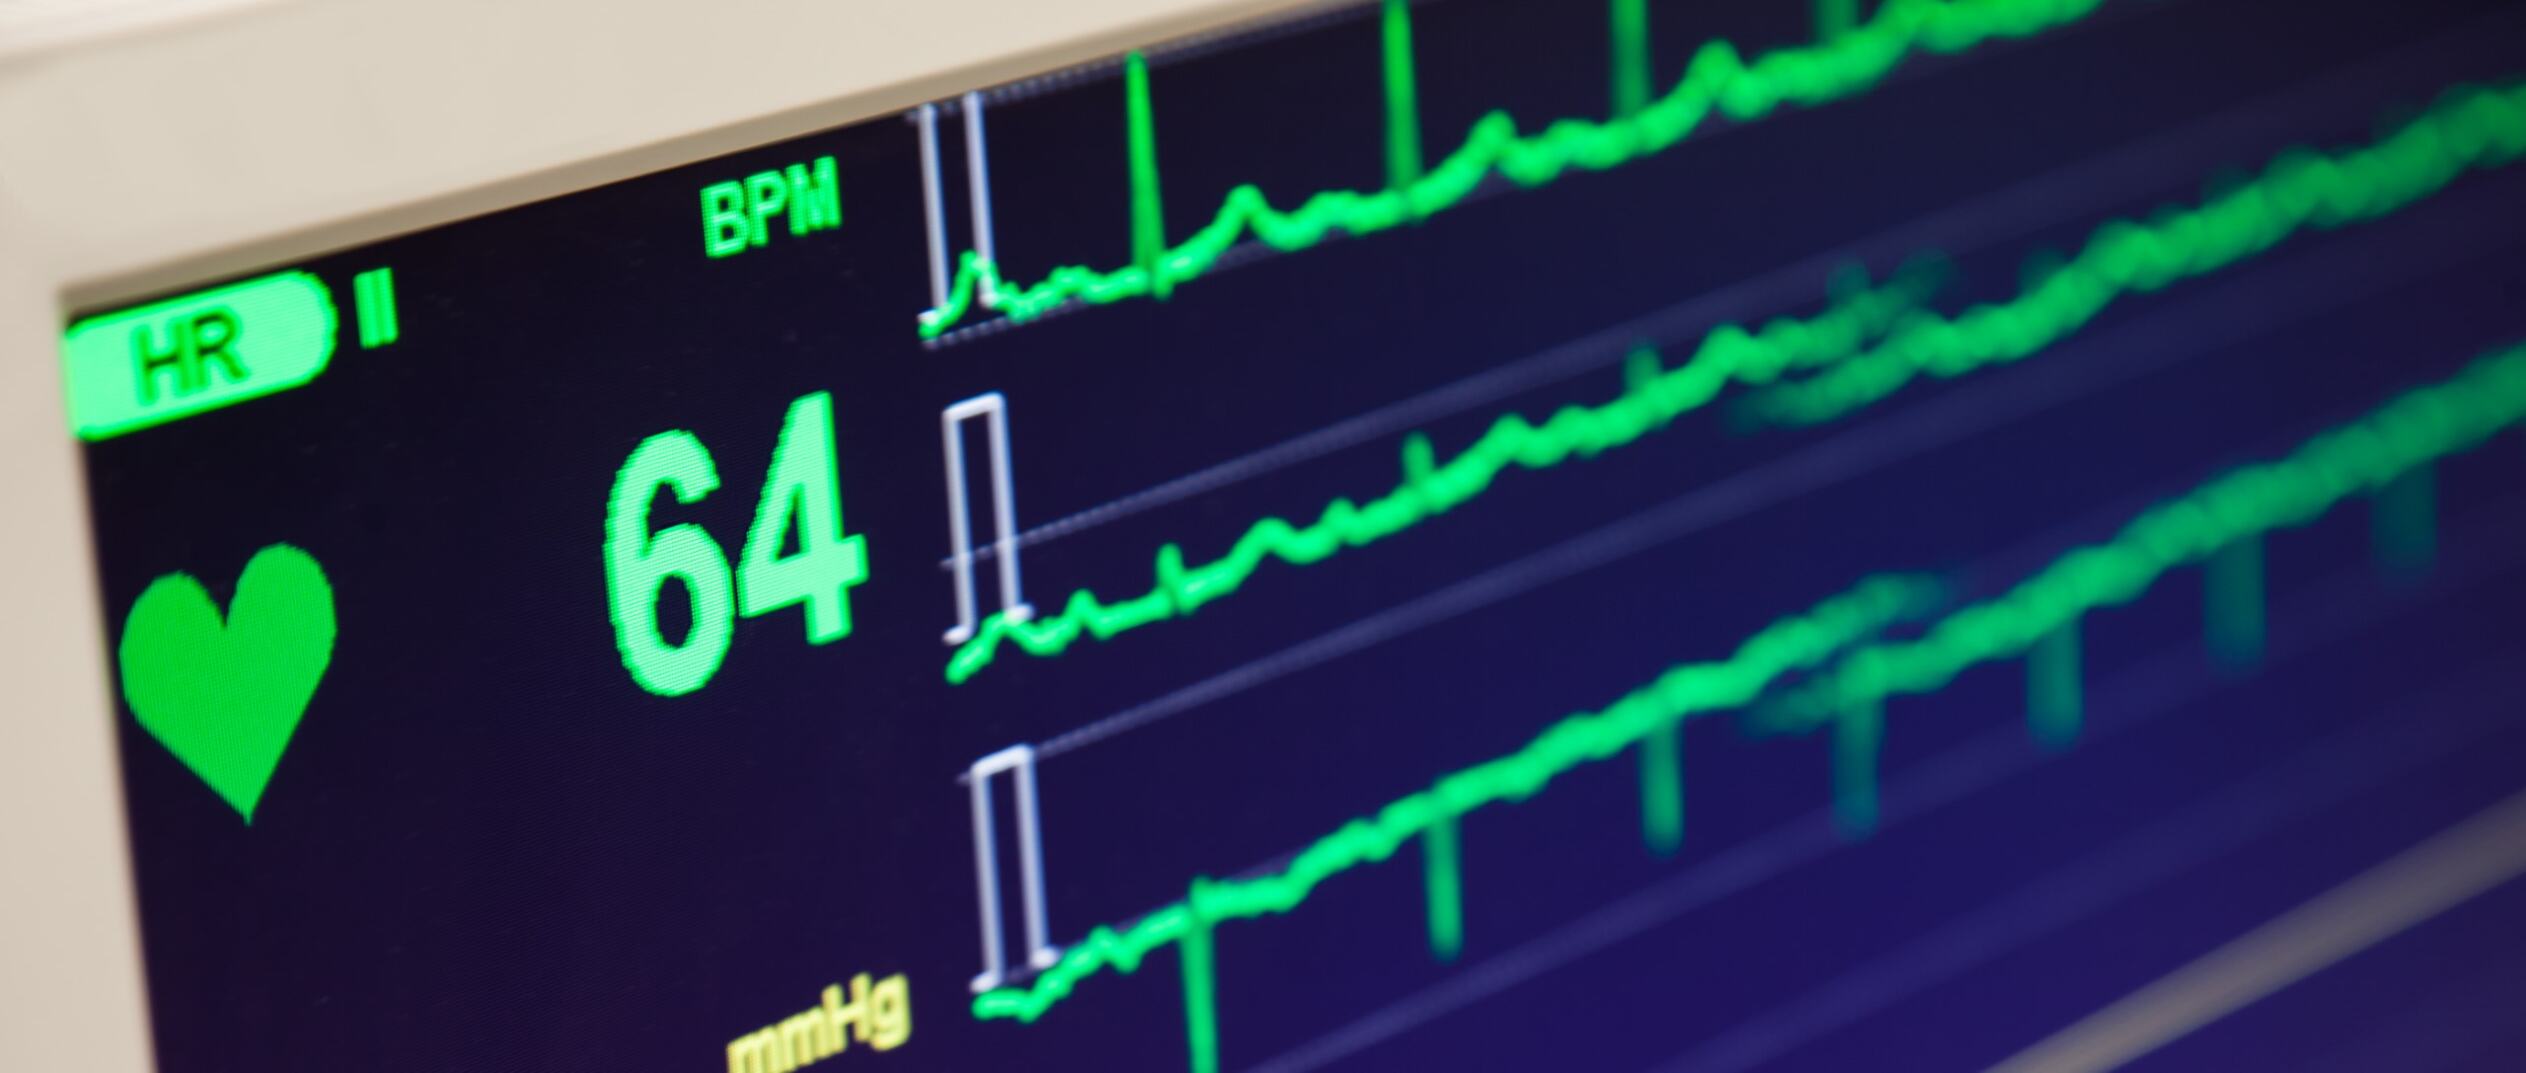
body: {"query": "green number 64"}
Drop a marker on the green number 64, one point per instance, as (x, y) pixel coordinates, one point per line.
(801, 492)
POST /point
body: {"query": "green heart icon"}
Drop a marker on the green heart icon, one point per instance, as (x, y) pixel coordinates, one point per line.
(225, 697)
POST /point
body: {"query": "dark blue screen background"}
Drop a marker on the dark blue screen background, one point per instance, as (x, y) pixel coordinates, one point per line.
(487, 848)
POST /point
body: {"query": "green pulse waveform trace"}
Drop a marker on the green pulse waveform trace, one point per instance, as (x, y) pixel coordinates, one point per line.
(1657, 395)
(1717, 81)
(2468, 128)
(1858, 672)
(2378, 455)
(1798, 642)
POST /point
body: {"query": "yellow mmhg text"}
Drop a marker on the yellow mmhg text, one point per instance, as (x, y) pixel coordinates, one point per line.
(879, 1015)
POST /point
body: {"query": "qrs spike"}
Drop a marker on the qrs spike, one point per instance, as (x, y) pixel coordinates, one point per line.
(1718, 82)
(1856, 674)
(2468, 129)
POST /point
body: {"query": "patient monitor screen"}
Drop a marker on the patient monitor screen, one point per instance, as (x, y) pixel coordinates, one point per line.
(1449, 535)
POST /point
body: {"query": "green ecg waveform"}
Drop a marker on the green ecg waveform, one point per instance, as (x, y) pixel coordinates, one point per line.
(1657, 397)
(1717, 81)
(2389, 446)
(2405, 435)
(2468, 128)
(1802, 641)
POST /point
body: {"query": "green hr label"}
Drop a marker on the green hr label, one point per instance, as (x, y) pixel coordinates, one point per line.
(134, 368)
(737, 215)
(194, 351)
(802, 496)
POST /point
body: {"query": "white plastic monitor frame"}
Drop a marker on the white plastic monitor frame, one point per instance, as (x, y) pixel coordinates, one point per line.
(145, 144)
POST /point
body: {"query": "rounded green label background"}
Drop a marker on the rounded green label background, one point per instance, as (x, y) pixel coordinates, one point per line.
(278, 333)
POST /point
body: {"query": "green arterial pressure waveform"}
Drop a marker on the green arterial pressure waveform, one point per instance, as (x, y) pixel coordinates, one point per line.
(2468, 128)
(2408, 433)
(1718, 80)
